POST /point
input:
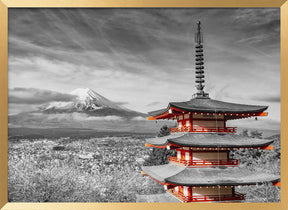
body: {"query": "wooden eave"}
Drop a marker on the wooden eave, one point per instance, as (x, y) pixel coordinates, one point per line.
(179, 175)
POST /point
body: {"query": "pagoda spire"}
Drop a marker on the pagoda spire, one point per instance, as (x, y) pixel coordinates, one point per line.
(199, 64)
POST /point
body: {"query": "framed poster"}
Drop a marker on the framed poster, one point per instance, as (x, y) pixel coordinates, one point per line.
(78, 77)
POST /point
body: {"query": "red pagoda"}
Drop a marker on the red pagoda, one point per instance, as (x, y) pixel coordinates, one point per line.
(202, 170)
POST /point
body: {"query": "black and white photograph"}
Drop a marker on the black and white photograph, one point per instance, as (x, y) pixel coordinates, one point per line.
(154, 105)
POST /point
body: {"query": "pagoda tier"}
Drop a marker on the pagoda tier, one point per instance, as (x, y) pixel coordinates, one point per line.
(206, 108)
(205, 184)
(206, 115)
(206, 149)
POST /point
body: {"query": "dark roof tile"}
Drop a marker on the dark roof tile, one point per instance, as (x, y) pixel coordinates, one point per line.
(211, 106)
(209, 140)
(180, 175)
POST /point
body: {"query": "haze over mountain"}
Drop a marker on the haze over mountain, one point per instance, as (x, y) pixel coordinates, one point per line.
(86, 109)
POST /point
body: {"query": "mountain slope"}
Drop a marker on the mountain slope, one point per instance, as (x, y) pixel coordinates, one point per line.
(89, 102)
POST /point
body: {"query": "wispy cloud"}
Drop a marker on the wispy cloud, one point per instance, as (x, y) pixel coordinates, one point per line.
(153, 103)
(269, 98)
(36, 96)
(81, 117)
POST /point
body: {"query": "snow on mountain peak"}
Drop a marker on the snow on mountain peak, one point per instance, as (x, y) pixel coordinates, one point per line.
(82, 93)
(90, 98)
(86, 99)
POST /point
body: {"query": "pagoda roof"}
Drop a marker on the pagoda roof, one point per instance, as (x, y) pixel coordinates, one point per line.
(209, 140)
(205, 104)
(179, 175)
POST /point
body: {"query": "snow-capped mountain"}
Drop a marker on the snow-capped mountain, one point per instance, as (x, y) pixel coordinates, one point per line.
(86, 110)
(87, 98)
(90, 102)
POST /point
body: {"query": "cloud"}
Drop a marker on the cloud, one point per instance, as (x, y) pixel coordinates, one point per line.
(36, 96)
(14, 109)
(132, 41)
(106, 118)
(260, 123)
(127, 40)
(269, 98)
(81, 117)
(139, 118)
(154, 103)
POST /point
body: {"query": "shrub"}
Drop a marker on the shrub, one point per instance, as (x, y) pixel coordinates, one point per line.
(159, 156)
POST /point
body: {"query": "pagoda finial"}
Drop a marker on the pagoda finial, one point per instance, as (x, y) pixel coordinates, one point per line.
(199, 63)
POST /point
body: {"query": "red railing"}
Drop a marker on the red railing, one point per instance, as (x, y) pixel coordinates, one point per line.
(180, 196)
(205, 198)
(193, 163)
(203, 130)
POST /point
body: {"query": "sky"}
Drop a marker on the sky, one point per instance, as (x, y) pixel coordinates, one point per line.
(144, 58)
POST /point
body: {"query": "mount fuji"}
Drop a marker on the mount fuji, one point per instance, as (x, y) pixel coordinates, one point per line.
(90, 102)
(85, 109)
(85, 114)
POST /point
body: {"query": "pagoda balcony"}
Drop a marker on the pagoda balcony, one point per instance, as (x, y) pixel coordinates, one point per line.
(199, 129)
(206, 198)
(201, 198)
(195, 163)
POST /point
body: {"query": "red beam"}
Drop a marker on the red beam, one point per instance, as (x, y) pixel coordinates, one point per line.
(263, 114)
(269, 147)
(151, 118)
(151, 145)
(179, 110)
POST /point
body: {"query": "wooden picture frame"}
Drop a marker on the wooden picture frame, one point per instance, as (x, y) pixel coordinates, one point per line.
(6, 4)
